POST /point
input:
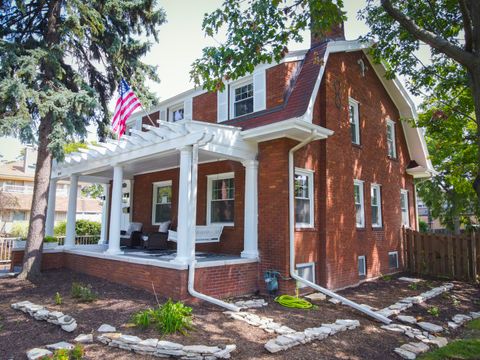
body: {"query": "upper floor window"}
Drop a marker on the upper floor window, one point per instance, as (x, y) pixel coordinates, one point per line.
(243, 99)
(404, 207)
(303, 198)
(392, 150)
(359, 203)
(176, 113)
(376, 202)
(354, 120)
(221, 199)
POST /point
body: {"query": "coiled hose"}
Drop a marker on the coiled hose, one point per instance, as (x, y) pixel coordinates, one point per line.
(293, 302)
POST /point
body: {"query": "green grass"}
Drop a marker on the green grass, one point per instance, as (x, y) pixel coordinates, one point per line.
(434, 311)
(458, 349)
(474, 324)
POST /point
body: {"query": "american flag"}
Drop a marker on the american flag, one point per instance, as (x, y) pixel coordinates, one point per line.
(126, 105)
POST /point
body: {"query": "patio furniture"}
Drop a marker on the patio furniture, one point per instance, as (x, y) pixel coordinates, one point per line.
(158, 240)
(133, 236)
(203, 234)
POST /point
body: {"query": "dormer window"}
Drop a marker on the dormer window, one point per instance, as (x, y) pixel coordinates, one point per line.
(243, 100)
(177, 113)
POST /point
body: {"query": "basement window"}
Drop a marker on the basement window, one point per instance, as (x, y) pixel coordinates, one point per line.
(393, 260)
(362, 266)
(306, 271)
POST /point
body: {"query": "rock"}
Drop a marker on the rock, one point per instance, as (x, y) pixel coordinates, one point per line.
(437, 340)
(407, 319)
(335, 328)
(299, 336)
(84, 339)
(105, 328)
(475, 315)
(225, 353)
(37, 353)
(410, 280)
(350, 324)
(60, 346)
(405, 354)
(65, 320)
(129, 339)
(33, 308)
(201, 349)
(168, 353)
(453, 325)
(318, 332)
(432, 328)
(387, 312)
(284, 330)
(393, 327)
(334, 301)
(273, 347)
(41, 314)
(54, 316)
(460, 318)
(70, 327)
(285, 341)
(149, 343)
(316, 297)
(168, 345)
(415, 347)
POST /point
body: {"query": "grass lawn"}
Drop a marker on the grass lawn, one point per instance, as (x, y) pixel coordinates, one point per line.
(468, 348)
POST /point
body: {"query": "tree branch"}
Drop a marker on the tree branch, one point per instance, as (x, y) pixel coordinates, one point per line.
(467, 25)
(444, 46)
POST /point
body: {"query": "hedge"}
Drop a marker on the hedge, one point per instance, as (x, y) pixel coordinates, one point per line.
(82, 227)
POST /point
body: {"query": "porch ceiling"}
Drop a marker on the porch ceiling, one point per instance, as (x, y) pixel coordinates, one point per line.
(157, 148)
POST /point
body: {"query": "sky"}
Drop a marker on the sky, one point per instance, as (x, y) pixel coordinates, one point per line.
(181, 41)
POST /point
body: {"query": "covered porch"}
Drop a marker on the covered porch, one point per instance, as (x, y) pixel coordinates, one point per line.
(187, 173)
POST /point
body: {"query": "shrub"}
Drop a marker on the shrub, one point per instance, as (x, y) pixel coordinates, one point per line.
(423, 226)
(413, 286)
(77, 353)
(434, 311)
(50, 239)
(169, 318)
(387, 278)
(58, 299)
(19, 229)
(82, 227)
(83, 293)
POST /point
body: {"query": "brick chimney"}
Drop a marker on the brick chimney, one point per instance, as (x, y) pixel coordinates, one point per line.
(336, 32)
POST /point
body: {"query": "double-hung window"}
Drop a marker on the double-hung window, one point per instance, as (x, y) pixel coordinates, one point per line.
(242, 97)
(354, 121)
(359, 203)
(221, 199)
(392, 149)
(376, 202)
(304, 198)
(162, 202)
(404, 207)
(176, 113)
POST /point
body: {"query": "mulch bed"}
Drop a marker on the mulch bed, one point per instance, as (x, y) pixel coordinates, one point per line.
(116, 304)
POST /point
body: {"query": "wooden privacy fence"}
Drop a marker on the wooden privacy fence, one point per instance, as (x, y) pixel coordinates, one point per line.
(451, 256)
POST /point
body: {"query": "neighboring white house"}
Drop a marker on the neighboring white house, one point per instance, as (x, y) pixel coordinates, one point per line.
(16, 188)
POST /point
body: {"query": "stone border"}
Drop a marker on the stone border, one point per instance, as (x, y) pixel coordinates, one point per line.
(284, 342)
(250, 304)
(261, 322)
(39, 312)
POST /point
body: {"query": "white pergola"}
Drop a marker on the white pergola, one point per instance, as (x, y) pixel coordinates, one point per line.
(183, 144)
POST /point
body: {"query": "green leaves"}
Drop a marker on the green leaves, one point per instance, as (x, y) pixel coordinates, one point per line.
(256, 33)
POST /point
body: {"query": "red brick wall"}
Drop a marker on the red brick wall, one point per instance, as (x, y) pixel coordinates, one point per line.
(153, 116)
(368, 162)
(49, 260)
(232, 237)
(205, 107)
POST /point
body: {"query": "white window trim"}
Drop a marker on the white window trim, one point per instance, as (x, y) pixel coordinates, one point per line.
(402, 193)
(356, 119)
(234, 85)
(364, 265)
(379, 190)
(173, 108)
(210, 178)
(394, 135)
(304, 265)
(392, 253)
(309, 173)
(154, 195)
(362, 203)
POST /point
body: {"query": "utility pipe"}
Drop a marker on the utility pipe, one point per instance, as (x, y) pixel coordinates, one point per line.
(193, 220)
(291, 213)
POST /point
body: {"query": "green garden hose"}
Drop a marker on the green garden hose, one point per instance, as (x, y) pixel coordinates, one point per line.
(293, 302)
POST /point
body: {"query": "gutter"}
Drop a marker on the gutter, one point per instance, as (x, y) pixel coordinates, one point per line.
(193, 217)
(291, 213)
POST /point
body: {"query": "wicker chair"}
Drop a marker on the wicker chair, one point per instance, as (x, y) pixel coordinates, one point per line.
(133, 236)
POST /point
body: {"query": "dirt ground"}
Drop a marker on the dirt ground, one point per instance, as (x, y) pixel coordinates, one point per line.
(116, 304)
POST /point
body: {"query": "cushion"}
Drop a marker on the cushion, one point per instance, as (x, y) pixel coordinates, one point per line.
(163, 228)
(134, 226)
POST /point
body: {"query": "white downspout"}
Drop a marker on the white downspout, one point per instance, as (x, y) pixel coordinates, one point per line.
(291, 213)
(191, 268)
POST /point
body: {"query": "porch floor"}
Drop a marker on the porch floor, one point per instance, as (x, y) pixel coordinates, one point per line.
(167, 255)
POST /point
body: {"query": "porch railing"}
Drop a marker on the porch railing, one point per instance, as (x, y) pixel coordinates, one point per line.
(81, 239)
(6, 245)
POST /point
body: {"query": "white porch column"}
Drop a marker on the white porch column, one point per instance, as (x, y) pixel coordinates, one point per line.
(71, 212)
(184, 198)
(103, 231)
(50, 220)
(115, 212)
(250, 232)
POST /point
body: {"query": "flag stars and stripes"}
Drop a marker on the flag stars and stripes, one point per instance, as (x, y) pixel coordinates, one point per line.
(126, 104)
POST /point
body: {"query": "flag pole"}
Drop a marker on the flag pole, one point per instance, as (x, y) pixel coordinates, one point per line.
(148, 116)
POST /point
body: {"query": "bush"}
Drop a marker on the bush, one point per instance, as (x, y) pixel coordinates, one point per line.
(169, 318)
(82, 292)
(58, 299)
(19, 229)
(50, 239)
(423, 226)
(434, 311)
(77, 353)
(82, 227)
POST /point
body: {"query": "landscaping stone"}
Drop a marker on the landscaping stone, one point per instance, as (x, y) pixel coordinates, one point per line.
(60, 346)
(105, 328)
(168, 345)
(253, 303)
(334, 301)
(350, 324)
(39, 312)
(273, 347)
(37, 353)
(316, 297)
(410, 280)
(407, 319)
(475, 315)
(453, 325)
(431, 328)
(405, 354)
(84, 339)
(129, 339)
(461, 319)
(70, 327)
(416, 347)
(437, 340)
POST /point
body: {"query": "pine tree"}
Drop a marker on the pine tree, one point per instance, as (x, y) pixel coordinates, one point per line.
(60, 62)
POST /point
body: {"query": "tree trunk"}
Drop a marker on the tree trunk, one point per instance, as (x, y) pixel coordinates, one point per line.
(36, 230)
(475, 78)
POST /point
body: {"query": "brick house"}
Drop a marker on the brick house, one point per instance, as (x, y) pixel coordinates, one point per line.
(225, 159)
